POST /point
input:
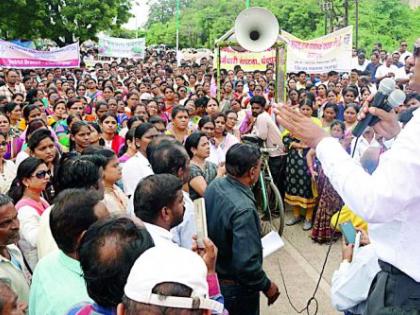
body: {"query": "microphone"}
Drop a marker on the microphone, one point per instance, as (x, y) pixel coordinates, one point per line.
(386, 86)
(395, 99)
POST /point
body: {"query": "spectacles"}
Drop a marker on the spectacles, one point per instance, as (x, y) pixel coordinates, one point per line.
(42, 174)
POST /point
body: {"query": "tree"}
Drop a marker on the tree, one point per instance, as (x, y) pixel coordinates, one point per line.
(126, 33)
(63, 21)
(162, 11)
(202, 22)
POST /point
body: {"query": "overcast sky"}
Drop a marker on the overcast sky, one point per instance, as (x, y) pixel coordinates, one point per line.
(140, 10)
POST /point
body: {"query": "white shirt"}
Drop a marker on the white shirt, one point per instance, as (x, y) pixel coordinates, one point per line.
(6, 178)
(182, 233)
(351, 282)
(45, 242)
(218, 153)
(362, 146)
(20, 157)
(402, 74)
(133, 171)
(384, 70)
(123, 132)
(160, 236)
(29, 226)
(359, 67)
(389, 199)
(402, 57)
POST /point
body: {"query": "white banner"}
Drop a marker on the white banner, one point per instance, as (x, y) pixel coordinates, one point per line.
(320, 55)
(121, 47)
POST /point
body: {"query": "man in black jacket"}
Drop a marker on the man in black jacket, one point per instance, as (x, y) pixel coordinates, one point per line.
(234, 227)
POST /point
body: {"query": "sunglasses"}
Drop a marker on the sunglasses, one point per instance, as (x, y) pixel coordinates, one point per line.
(42, 174)
(3, 143)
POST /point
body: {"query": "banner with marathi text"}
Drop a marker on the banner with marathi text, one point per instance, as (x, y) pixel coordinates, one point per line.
(14, 56)
(121, 47)
(249, 61)
(320, 55)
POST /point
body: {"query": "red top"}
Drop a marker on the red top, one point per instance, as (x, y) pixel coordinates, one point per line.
(117, 143)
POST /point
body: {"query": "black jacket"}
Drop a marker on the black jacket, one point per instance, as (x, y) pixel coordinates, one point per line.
(234, 227)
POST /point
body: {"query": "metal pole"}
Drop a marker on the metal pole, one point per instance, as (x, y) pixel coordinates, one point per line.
(331, 16)
(326, 22)
(346, 12)
(357, 23)
(177, 25)
(218, 73)
(276, 91)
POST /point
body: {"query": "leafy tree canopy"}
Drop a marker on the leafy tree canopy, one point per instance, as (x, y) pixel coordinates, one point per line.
(63, 21)
(202, 22)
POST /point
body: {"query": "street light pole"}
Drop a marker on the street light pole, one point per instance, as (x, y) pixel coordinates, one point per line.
(326, 7)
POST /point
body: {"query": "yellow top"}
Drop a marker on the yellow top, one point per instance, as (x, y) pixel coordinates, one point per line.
(315, 120)
(348, 215)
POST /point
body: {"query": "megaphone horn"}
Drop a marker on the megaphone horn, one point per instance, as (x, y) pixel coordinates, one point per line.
(256, 29)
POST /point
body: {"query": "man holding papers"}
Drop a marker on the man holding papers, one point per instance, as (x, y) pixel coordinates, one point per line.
(233, 225)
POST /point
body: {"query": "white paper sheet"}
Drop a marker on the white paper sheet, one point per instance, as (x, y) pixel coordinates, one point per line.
(271, 243)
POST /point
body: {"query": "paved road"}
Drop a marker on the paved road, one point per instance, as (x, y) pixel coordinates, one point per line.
(301, 261)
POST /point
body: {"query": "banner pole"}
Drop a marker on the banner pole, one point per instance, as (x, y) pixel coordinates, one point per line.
(276, 91)
(218, 73)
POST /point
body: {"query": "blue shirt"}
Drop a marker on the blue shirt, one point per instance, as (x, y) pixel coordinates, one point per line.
(86, 308)
(371, 68)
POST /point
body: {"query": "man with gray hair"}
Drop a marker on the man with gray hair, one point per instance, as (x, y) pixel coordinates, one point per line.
(9, 303)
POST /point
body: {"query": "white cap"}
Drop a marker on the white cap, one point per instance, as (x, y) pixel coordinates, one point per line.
(146, 97)
(170, 264)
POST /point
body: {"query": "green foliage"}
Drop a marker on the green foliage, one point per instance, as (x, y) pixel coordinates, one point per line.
(61, 20)
(388, 22)
(161, 11)
(125, 33)
(202, 22)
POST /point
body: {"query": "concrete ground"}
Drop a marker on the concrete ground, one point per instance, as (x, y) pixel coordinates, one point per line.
(301, 262)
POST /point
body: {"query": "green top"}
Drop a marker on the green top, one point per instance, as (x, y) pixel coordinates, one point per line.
(57, 285)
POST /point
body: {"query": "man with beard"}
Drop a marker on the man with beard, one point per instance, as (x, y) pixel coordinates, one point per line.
(12, 86)
(172, 158)
(12, 266)
(159, 203)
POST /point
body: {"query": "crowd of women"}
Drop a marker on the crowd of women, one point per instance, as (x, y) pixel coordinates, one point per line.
(46, 115)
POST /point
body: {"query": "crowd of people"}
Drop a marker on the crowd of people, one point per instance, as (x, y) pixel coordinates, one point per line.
(100, 167)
